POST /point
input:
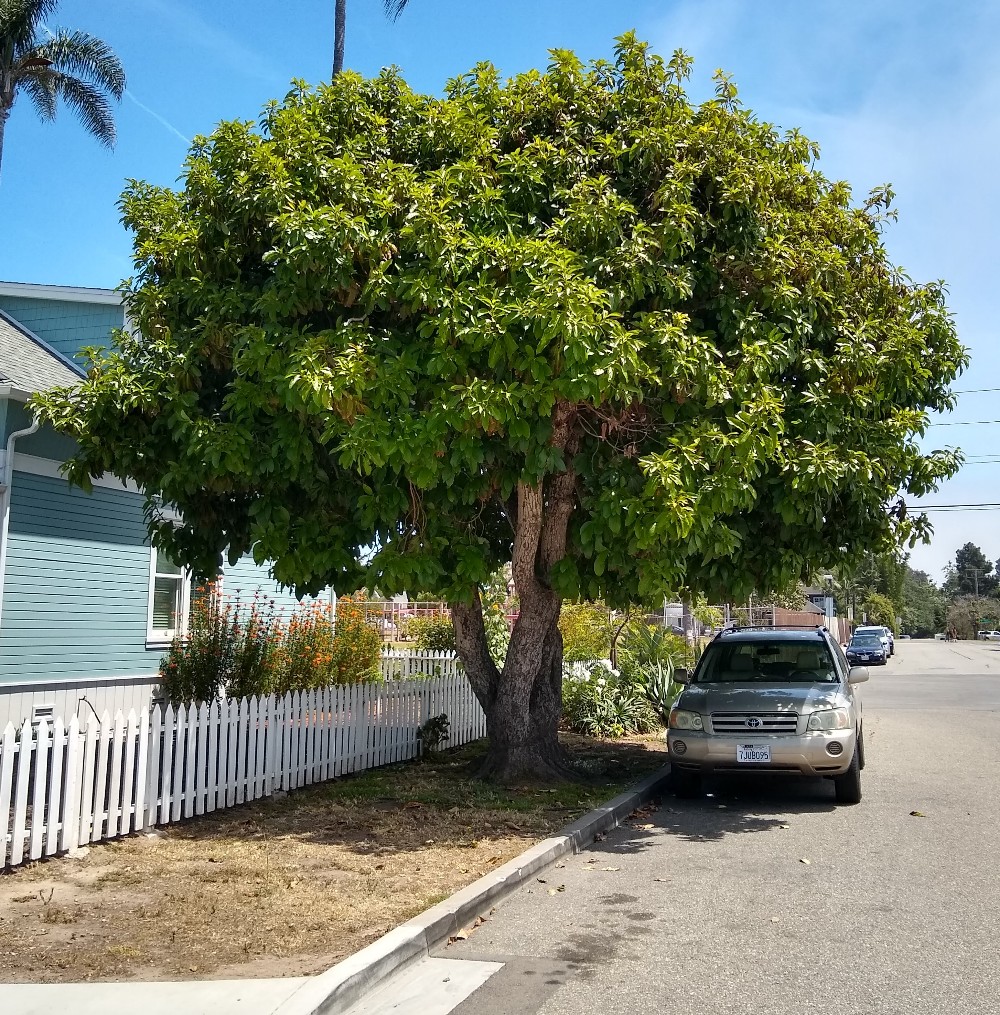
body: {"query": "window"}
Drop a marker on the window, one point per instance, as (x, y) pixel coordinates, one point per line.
(785, 661)
(169, 599)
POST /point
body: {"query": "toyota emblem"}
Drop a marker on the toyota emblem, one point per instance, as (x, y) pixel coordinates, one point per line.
(755, 722)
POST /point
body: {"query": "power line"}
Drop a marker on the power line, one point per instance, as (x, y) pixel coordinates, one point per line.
(967, 422)
(985, 506)
(973, 391)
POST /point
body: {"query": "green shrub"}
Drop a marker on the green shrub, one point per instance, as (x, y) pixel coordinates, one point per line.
(586, 632)
(599, 704)
(245, 649)
(647, 657)
(229, 646)
(432, 634)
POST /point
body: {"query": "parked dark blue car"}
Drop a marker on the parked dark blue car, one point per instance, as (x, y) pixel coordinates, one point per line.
(866, 650)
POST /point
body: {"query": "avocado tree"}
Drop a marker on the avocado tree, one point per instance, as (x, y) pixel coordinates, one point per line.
(571, 322)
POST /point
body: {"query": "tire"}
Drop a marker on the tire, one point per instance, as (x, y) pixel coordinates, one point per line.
(861, 748)
(685, 783)
(848, 785)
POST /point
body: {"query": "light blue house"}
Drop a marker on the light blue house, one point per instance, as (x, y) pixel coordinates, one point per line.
(87, 607)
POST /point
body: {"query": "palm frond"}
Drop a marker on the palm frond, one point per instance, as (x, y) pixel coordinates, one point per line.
(20, 21)
(90, 105)
(42, 90)
(393, 8)
(84, 56)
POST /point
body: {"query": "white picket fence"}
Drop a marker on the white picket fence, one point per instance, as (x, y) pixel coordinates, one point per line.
(401, 665)
(62, 786)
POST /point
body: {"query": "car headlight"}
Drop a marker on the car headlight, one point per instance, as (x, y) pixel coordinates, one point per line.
(681, 719)
(830, 719)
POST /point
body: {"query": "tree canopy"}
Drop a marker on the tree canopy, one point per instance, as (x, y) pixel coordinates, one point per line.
(572, 321)
(971, 573)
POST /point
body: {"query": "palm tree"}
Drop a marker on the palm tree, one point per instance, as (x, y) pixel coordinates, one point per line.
(72, 66)
(393, 9)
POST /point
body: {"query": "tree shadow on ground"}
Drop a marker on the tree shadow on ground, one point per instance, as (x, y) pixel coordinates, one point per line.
(437, 803)
(729, 806)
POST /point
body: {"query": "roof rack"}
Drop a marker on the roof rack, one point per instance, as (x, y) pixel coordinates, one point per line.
(773, 627)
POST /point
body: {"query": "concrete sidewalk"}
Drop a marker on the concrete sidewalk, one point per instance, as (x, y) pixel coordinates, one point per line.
(202, 997)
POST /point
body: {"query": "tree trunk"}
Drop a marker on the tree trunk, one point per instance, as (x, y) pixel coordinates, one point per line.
(339, 32)
(523, 701)
(4, 113)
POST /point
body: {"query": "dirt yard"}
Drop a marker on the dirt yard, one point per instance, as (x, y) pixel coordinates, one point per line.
(287, 887)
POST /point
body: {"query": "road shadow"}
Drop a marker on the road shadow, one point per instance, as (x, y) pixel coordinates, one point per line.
(729, 806)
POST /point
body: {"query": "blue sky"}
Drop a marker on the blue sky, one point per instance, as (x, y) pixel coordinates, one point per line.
(900, 91)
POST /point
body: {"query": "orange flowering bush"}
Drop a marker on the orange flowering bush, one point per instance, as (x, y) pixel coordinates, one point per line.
(246, 648)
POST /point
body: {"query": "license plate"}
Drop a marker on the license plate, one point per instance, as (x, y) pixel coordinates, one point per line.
(752, 754)
(864, 659)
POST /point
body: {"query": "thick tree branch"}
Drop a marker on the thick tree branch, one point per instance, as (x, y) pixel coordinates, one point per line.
(474, 651)
(530, 508)
(561, 497)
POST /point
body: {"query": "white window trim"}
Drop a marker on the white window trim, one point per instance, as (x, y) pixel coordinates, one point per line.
(161, 638)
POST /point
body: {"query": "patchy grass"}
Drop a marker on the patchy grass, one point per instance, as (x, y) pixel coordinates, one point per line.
(288, 886)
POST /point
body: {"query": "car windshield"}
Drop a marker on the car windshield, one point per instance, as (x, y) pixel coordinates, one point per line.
(785, 661)
(866, 641)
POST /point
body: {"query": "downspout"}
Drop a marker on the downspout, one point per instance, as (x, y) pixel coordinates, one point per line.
(5, 482)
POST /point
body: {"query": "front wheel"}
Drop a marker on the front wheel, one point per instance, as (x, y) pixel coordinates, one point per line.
(685, 783)
(848, 785)
(861, 748)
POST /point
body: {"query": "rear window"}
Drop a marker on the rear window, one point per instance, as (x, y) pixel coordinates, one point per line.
(761, 661)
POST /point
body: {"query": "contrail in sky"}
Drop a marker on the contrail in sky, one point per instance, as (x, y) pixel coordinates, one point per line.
(156, 116)
(142, 105)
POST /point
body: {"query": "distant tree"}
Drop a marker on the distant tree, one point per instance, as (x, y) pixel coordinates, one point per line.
(925, 606)
(971, 574)
(879, 609)
(64, 65)
(969, 615)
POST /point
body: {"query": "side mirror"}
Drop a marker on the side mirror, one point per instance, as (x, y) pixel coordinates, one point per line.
(858, 675)
(682, 675)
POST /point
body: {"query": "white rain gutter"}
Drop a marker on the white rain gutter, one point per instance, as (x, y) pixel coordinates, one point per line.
(6, 478)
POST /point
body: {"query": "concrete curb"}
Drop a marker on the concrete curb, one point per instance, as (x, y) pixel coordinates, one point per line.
(347, 982)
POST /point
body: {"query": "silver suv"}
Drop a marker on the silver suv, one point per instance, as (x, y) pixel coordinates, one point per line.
(773, 700)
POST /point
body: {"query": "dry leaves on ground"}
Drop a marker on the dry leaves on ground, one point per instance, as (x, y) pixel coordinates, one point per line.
(286, 886)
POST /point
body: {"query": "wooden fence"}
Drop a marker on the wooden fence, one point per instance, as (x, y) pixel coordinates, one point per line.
(401, 665)
(65, 785)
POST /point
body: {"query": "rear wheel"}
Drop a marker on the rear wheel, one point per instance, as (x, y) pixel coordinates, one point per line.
(848, 785)
(685, 783)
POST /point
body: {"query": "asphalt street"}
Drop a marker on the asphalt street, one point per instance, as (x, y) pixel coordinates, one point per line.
(766, 897)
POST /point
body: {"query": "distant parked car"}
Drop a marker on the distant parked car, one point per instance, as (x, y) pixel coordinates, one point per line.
(881, 632)
(866, 649)
(990, 635)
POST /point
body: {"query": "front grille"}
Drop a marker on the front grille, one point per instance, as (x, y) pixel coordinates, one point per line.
(754, 722)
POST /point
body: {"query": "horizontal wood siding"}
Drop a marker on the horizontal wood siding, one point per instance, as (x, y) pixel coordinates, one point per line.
(67, 326)
(46, 443)
(75, 599)
(245, 578)
(69, 698)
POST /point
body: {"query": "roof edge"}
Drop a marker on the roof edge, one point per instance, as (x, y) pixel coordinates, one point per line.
(66, 293)
(13, 393)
